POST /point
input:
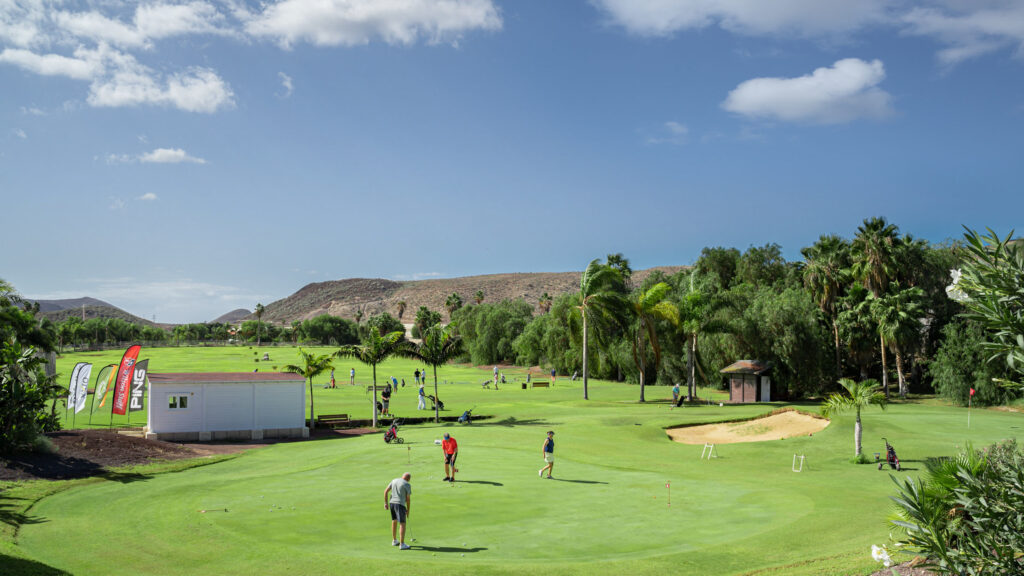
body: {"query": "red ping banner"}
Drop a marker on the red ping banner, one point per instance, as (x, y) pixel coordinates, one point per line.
(124, 379)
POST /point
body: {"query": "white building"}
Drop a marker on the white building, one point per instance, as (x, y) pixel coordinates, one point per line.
(218, 406)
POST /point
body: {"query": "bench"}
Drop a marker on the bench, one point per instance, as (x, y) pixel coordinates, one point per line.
(540, 385)
(375, 388)
(332, 420)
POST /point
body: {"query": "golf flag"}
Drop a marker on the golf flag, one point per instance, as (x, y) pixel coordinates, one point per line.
(972, 391)
(103, 382)
(124, 378)
(138, 396)
(82, 386)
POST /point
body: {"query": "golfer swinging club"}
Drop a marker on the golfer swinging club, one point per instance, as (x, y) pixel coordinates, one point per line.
(549, 454)
(398, 499)
(451, 452)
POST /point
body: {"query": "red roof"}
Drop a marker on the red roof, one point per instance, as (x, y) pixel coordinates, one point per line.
(746, 367)
(210, 377)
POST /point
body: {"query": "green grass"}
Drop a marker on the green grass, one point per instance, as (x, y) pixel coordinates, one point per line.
(317, 507)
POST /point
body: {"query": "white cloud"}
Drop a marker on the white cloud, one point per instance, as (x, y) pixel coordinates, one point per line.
(32, 111)
(50, 64)
(845, 92)
(148, 196)
(151, 22)
(355, 22)
(672, 132)
(286, 83)
(970, 30)
(21, 23)
(750, 17)
(198, 90)
(116, 203)
(169, 156)
(119, 159)
(19, 133)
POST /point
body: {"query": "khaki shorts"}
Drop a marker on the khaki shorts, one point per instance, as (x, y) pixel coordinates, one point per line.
(549, 457)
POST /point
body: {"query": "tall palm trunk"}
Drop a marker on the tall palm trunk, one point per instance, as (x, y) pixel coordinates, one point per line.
(691, 368)
(641, 363)
(899, 374)
(885, 368)
(858, 431)
(584, 314)
(312, 418)
(437, 403)
(835, 332)
(374, 395)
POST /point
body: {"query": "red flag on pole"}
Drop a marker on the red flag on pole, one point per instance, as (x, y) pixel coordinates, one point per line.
(124, 379)
(972, 391)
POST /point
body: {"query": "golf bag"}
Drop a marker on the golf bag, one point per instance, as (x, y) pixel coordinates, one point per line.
(391, 436)
(467, 417)
(435, 403)
(890, 457)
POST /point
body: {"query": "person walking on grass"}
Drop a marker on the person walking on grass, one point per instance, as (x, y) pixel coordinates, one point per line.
(548, 451)
(422, 400)
(451, 451)
(416, 375)
(385, 398)
(352, 377)
(398, 499)
(552, 376)
(332, 379)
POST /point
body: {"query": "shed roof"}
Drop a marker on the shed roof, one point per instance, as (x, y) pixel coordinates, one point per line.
(746, 367)
(222, 377)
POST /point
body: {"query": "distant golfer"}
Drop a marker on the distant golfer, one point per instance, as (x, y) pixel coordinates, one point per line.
(451, 452)
(422, 399)
(394, 384)
(416, 375)
(675, 393)
(332, 378)
(548, 451)
(552, 376)
(352, 377)
(385, 398)
(398, 499)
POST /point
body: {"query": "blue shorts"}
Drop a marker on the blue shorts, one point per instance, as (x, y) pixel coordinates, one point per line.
(397, 512)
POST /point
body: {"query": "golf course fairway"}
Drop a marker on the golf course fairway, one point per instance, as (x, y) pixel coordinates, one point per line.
(317, 506)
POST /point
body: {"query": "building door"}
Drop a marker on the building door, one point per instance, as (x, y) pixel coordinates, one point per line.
(766, 389)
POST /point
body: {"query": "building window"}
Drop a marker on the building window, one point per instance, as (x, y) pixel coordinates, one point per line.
(177, 402)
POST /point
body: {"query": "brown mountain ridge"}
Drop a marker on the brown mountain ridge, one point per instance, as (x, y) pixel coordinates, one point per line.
(376, 295)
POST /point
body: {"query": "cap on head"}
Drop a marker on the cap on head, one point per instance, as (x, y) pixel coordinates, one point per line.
(446, 436)
(551, 432)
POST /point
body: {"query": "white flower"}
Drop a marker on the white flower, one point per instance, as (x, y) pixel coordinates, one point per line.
(880, 554)
(953, 290)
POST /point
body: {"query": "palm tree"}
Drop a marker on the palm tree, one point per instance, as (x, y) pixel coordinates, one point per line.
(898, 315)
(858, 395)
(601, 288)
(544, 303)
(312, 366)
(825, 274)
(259, 317)
(453, 303)
(648, 306)
(374, 350)
(478, 297)
(695, 317)
(401, 309)
(438, 346)
(359, 316)
(873, 254)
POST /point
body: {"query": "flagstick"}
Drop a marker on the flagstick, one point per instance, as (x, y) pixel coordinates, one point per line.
(669, 486)
(969, 398)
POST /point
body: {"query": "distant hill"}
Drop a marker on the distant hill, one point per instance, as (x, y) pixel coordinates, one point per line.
(233, 317)
(373, 296)
(60, 310)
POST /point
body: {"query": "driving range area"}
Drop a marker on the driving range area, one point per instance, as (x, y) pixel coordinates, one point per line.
(625, 499)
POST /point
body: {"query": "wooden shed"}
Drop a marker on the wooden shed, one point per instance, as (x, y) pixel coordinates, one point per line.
(749, 381)
(219, 406)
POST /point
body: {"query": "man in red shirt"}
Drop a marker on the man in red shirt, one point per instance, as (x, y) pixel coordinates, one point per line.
(451, 452)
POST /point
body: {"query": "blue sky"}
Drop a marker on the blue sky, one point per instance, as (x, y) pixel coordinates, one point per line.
(182, 159)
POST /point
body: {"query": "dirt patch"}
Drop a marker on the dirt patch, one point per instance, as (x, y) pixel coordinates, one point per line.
(83, 453)
(905, 569)
(773, 427)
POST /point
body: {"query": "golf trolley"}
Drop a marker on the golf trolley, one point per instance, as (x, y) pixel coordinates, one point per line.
(467, 416)
(391, 436)
(890, 457)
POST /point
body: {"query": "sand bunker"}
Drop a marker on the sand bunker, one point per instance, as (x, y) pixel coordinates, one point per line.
(774, 427)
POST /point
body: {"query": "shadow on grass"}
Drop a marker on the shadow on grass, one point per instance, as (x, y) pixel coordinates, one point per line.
(487, 482)
(10, 515)
(123, 477)
(512, 422)
(577, 481)
(23, 567)
(447, 549)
